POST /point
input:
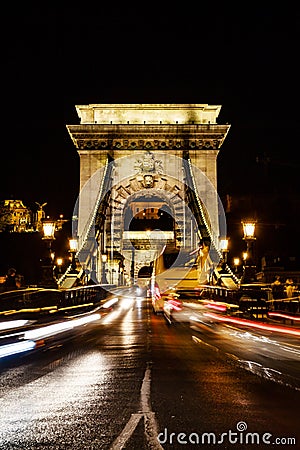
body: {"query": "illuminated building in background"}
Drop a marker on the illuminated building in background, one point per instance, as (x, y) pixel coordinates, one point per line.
(15, 216)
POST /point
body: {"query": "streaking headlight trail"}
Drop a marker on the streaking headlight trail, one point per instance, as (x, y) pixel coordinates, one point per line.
(56, 328)
(17, 347)
(249, 323)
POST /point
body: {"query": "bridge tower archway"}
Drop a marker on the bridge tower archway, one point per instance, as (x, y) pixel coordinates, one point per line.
(147, 222)
(145, 154)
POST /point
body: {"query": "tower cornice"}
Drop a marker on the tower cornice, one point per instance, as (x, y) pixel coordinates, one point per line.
(148, 136)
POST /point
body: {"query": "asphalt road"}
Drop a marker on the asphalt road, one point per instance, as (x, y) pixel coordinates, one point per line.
(129, 380)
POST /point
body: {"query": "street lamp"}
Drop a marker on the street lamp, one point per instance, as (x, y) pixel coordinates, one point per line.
(104, 259)
(73, 243)
(59, 262)
(49, 230)
(249, 232)
(249, 237)
(132, 266)
(245, 257)
(236, 263)
(224, 248)
(48, 279)
(249, 229)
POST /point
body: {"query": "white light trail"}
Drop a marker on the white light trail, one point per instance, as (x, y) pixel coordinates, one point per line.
(56, 328)
(13, 324)
(110, 302)
(17, 347)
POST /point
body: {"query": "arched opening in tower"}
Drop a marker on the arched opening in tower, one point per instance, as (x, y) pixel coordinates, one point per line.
(148, 214)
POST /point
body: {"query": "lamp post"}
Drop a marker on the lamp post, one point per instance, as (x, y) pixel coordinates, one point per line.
(249, 237)
(132, 267)
(48, 279)
(236, 263)
(59, 262)
(104, 259)
(49, 230)
(73, 243)
(224, 248)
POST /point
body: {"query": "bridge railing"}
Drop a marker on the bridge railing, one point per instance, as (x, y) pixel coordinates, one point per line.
(285, 305)
(44, 304)
(204, 228)
(87, 237)
(30, 317)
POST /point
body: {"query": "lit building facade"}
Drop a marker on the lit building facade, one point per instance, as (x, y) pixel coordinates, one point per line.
(15, 216)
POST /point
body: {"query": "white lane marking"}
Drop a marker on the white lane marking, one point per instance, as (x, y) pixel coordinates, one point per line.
(126, 432)
(149, 420)
(145, 392)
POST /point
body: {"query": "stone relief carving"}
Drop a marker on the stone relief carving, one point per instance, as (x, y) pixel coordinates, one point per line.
(99, 142)
(148, 181)
(149, 164)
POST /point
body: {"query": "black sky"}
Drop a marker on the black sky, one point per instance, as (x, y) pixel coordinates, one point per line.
(54, 57)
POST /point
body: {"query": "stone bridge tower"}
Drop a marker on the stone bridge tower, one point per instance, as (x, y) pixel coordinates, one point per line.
(148, 184)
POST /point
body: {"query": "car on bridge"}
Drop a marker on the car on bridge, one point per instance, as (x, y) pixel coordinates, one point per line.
(181, 306)
(157, 300)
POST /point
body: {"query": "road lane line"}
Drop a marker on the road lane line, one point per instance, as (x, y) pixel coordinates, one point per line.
(151, 431)
(150, 424)
(145, 391)
(126, 432)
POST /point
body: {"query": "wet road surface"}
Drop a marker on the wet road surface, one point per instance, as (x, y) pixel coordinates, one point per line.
(129, 378)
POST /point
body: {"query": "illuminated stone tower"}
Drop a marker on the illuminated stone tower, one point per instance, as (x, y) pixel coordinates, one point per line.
(152, 150)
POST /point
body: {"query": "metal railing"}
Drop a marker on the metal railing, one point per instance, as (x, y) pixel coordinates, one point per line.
(85, 235)
(37, 303)
(199, 213)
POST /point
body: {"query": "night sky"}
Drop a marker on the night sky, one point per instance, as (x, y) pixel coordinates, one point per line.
(243, 59)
